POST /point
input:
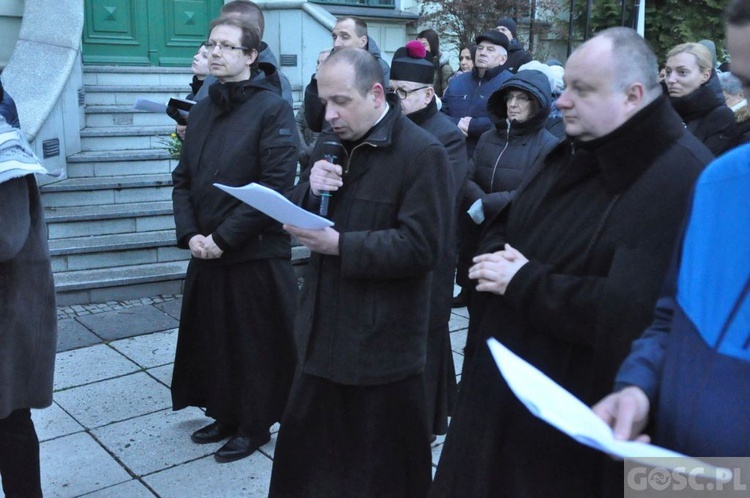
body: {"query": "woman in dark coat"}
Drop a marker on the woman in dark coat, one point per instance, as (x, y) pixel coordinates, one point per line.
(235, 353)
(695, 93)
(504, 157)
(28, 320)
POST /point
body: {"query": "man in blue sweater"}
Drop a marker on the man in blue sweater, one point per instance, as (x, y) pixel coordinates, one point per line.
(693, 364)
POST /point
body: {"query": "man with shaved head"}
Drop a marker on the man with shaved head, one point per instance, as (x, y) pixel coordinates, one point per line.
(568, 274)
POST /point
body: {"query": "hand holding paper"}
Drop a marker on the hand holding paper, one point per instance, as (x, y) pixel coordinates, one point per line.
(548, 401)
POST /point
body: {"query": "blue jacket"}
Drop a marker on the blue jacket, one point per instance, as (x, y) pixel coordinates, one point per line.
(467, 95)
(694, 361)
(8, 110)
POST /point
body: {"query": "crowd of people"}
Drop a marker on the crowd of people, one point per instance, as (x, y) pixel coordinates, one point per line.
(581, 209)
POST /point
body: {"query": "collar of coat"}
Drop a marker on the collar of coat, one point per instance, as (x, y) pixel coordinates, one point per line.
(380, 134)
(623, 155)
(422, 115)
(702, 101)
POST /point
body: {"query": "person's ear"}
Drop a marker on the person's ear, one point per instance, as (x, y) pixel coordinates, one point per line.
(362, 41)
(635, 94)
(377, 94)
(429, 94)
(252, 55)
(706, 75)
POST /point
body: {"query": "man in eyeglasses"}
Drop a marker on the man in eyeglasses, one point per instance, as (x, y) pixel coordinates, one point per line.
(412, 78)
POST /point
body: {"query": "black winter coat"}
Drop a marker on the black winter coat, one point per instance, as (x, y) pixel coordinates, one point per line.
(706, 115)
(506, 154)
(364, 314)
(454, 142)
(244, 132)
(517, 56)
(598, 224)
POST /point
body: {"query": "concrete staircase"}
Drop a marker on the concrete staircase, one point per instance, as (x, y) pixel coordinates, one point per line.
(111, 230)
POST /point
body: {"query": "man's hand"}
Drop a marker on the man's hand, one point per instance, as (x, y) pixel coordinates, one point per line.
(626, 412)
(463, 125)
(180, 130)
(211, 250)
(494, 271)
(204, 247)
(325, 241)
(325, 176)
(197, 246)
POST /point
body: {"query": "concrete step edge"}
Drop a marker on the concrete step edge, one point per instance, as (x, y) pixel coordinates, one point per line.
(111, 243)
(127, 131)
(66, 214)
(92, 68)
(179, 90)
(103, 156)
(108, 182)
(117, 276)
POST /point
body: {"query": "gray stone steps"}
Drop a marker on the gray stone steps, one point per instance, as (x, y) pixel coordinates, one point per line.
(119, 242)
(97, 95)
(125, 137)
(137, 75)
(124, 115)
(108, 251)
(120, 163)
(101, 191)
(63, 214)
(119, 283)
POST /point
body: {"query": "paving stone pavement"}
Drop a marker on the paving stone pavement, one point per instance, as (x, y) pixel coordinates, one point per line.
(111, 432)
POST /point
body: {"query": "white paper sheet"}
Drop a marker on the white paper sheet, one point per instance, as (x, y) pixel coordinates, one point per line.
(276, 206)
(151, 106)
(548, 401)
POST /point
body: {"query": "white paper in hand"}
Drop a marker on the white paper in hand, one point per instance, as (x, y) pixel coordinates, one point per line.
(548, 401)
(276, 206)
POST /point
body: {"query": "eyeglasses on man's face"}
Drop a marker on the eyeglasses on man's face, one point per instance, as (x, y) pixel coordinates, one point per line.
(403, 93)
(223, 47)
(518, 97)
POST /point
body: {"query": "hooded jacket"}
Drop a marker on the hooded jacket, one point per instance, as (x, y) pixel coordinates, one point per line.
(507, 154)
(315, 111)
(244, 132)
(8, 108)
(467, 95)
(706, 115)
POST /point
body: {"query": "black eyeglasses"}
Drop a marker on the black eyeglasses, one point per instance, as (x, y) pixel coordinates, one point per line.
(403, 94)
(222, 46)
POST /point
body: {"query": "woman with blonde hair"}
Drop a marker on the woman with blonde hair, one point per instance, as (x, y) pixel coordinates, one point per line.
(695, 93)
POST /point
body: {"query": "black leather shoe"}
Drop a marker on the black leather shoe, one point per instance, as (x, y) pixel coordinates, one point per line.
(213, 433)
(240, 447)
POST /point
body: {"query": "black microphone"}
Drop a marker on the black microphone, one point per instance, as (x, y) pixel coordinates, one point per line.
(330, 151)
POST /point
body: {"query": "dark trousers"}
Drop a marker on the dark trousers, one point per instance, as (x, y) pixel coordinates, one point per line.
(340, 441)
(19, 456)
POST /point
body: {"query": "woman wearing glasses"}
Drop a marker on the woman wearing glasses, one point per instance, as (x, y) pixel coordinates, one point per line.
(505, 155)
(235, 354)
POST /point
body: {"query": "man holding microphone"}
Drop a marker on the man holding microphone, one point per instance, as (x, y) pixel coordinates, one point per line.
(355, 424)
